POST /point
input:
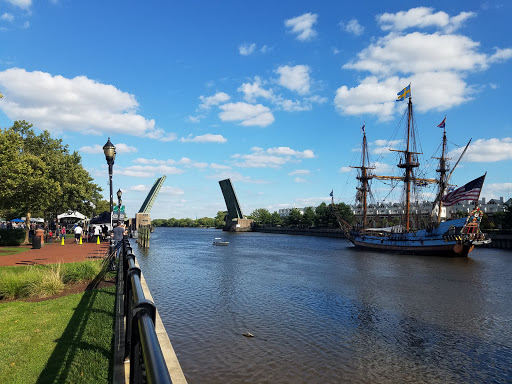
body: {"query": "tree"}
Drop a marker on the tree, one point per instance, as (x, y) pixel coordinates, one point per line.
(295, 217)
(308, 219)
(261, 216)
(275, 220)
(322, 215)
(39, 175)
(219, 219)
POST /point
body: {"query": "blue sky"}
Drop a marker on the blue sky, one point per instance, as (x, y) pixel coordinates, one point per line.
(270, 94)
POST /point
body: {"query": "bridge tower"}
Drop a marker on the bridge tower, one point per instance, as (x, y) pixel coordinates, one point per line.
(235, 220)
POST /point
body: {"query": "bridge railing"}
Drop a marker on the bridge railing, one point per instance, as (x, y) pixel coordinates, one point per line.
(147, 362)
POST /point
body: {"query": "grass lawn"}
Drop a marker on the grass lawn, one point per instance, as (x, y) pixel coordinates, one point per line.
(4, 251)
(63, 340)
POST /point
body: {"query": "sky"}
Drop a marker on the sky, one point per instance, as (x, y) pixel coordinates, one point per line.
(272, 95)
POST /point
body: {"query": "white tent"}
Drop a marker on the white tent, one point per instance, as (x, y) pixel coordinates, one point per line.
(72, 214)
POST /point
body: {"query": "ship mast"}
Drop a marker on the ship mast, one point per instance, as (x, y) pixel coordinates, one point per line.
(442, 175)
(364, 177)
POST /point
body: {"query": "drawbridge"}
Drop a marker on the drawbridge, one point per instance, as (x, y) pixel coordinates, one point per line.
(235, 220)
(142, 218)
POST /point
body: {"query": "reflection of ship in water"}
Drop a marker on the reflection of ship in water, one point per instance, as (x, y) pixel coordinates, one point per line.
(455, 237)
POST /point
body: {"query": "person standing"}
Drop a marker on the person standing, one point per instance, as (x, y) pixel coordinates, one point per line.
(104, 231)
(119, 233)
(78, 233)
(63, 232)
(97, 232)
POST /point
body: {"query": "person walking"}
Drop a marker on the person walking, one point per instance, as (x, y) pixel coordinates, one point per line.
(78, 233)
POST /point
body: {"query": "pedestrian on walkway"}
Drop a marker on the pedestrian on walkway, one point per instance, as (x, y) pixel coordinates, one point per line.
(78, 233)
(97, 232)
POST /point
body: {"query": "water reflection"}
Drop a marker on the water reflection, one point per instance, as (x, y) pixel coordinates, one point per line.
(324, 313)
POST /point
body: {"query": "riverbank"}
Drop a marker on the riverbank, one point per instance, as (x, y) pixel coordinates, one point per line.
(500, 239)
(321, 232)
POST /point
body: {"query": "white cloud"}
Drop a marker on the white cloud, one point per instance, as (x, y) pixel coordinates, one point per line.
(209, 101)
(139, 188)
(295, 78)
(246, 49)
(500, 55)
(496, 190)
(300, 172)
(120, 148)
(302, 26)
(271, 158)
(423, 52)
(56, 103)
(486, 151)
(299, 180)
(345, 169)
(148, 170)
(254, 91)
(7, 17)
(235, 177)
(247, 114)
(438, 65)
(353, 27)
(171, 190)
(219, 166)
(23, 4)
(206, 138)
(422, 17)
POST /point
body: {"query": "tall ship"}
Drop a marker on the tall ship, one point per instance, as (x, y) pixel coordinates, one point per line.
(435, 237)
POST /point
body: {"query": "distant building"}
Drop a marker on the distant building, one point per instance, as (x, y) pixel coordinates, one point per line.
(390, 213)
(285, 212)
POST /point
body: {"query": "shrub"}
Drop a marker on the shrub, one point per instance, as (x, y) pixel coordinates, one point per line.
(9, 237)
(77, 272)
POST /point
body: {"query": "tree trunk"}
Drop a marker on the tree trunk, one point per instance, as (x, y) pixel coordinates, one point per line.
(27, 227)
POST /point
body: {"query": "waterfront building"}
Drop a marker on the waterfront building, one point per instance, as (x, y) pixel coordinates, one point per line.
(285, 212)
(387, 214)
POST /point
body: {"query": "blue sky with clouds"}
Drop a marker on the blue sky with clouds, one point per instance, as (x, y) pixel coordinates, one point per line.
(271, 95)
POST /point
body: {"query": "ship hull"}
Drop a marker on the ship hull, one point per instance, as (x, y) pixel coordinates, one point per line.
(440, 241)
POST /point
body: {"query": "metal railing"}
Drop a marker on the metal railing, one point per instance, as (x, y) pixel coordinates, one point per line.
(147, 364)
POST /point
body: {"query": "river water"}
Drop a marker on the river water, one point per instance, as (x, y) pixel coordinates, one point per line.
(322, 312)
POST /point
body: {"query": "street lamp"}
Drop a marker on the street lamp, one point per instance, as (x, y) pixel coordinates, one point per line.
(119, 202)
(110, 154)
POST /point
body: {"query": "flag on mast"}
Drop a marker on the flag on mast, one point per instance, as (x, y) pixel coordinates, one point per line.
(362, 128)
(404, 93)
(470, 191)
(443, 123)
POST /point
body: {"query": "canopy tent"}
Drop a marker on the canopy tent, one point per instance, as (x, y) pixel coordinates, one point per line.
(103, 218)
(72, 214)
(17, 221)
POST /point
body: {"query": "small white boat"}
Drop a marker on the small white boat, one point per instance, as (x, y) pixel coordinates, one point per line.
(218, 241)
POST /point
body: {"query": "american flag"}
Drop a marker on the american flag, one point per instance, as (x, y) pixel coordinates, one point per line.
(470, 191)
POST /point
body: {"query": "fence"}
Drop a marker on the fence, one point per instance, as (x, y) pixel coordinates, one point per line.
(147, 362)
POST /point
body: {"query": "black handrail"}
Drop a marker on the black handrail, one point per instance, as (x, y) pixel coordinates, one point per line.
(147, 363)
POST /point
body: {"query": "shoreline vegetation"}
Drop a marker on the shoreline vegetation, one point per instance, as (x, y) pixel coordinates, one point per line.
(63, 328)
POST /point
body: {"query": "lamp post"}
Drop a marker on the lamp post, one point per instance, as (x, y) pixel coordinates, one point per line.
(119, 202)
(110, 154)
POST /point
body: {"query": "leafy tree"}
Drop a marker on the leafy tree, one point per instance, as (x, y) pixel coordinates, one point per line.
(261, 216)
(220, 219)
(322, 215)
(308, 219)
(39, 175)
(275, 219)
(295, 217)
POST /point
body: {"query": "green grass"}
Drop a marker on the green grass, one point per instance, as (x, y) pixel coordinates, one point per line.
(6, 251)
(64, 340)
(44, 280)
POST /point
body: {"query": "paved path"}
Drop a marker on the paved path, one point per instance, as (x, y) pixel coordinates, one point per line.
(52, 253)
